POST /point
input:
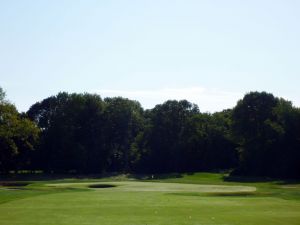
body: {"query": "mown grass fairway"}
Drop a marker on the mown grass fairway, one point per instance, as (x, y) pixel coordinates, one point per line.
(192, 199)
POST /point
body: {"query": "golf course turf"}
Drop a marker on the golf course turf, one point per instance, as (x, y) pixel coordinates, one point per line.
(198, 199)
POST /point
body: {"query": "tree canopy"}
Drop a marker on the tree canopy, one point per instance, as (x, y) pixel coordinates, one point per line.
(18, 137)
(82, 133)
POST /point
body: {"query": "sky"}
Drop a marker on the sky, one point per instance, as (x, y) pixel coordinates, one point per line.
(210, 52)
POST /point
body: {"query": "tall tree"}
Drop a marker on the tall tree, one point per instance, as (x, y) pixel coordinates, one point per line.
(18, 136)
(286, 157)
(124, 121)
(166, 143)
(256, 132)
(208, 142)
(72, 137)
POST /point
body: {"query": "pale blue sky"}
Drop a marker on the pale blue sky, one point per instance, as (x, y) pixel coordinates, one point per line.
(210, 52)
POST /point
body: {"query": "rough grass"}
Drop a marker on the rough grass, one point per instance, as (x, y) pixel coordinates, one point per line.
(196, 199)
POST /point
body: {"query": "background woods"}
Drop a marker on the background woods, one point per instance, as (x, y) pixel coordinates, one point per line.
(83, 133)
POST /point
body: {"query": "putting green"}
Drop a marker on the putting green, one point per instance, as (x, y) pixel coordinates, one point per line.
(150, 203)
(156, 187)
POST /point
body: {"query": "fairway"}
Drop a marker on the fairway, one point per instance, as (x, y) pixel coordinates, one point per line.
(192, 199)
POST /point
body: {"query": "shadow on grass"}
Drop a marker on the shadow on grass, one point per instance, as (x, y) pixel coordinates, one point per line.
(223, 194)
(155, 176)
(244, 179)
(11, 178)
(14, 184)
(102, 186)
(288, 182)
(20, 179)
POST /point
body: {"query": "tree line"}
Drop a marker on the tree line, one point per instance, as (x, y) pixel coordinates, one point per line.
(83, 133)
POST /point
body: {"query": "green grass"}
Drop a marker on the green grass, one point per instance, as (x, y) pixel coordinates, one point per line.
(178, 199)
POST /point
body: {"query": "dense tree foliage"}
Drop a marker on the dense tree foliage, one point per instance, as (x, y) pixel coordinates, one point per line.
(165, 135)
(266, 129)
(81, 133)
(123, 122)
(208, 142)
(72, 133)
(18, 136)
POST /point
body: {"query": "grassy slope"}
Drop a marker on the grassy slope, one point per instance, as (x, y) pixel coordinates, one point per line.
(164, 204)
